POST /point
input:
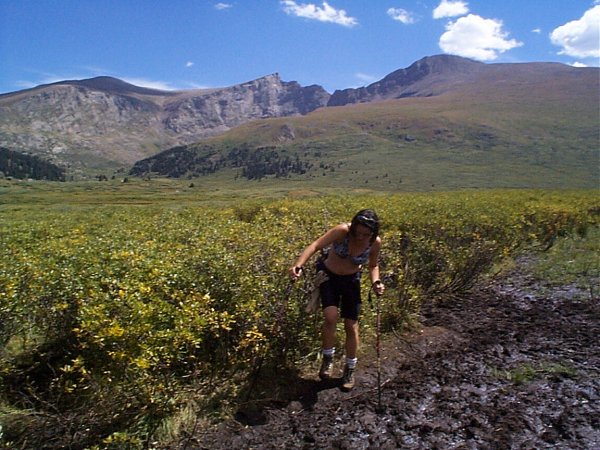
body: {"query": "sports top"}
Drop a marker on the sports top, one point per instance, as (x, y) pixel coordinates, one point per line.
(342, 250)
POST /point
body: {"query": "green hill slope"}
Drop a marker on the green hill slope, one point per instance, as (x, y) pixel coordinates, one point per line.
(505, 128)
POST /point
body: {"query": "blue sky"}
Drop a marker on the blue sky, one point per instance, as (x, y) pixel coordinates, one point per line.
(188, 44)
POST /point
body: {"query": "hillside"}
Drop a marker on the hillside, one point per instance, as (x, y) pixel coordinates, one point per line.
(470, 125)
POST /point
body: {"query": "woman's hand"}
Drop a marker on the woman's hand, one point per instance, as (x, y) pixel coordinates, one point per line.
(295, 272)
(378, 287)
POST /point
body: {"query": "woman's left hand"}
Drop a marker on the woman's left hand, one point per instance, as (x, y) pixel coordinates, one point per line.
(378, 287)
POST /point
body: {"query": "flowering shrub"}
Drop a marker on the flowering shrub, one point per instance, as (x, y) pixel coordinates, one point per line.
(110, 317)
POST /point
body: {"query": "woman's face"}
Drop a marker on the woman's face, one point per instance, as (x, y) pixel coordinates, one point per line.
(362, 233)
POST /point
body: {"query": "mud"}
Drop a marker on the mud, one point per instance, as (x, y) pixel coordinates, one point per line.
(501, 368)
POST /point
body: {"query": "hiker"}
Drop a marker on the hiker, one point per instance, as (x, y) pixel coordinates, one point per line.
(346, 249)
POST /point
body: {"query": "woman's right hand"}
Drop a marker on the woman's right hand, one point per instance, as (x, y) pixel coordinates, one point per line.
(295, 272)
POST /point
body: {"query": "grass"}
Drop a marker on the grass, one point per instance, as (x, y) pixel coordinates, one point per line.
(572, 261)
(213, 191)
(528, 372)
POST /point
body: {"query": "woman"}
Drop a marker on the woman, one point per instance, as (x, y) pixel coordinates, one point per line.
(348, 247)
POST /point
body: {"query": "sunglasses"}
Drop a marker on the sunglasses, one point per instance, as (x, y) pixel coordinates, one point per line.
(366, 220)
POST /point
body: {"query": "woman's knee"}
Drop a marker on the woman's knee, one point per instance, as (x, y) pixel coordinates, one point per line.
(330, 315)
(351, 326)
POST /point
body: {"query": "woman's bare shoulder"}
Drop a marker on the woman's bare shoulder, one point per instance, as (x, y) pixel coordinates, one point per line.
(339, 231)
(344, 226)
(336, 233)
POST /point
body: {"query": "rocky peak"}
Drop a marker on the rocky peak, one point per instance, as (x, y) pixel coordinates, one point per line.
(113, 86)
(415, 80)
(214, 111)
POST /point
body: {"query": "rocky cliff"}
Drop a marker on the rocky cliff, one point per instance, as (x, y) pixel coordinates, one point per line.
(106, 123)
(198, 115)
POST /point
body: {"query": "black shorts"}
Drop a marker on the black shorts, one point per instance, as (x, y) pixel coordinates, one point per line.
(341, 290)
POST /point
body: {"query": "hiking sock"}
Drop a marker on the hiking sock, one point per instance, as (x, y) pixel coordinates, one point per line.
(329, 352)
(348, 380)
(326, 364)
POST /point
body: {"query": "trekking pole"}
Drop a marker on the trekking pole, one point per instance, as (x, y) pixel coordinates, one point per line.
(378, 330)
(378, 347)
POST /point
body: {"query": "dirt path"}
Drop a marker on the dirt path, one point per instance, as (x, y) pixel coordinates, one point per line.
(500, 368)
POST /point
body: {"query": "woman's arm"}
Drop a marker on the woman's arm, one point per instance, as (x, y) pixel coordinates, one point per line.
(378, 286)
(334, 234)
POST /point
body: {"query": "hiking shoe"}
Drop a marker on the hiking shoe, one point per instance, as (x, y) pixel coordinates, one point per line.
(326, 368)
(348, 378)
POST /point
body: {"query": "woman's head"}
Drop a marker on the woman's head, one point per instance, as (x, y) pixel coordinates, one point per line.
(368, 220)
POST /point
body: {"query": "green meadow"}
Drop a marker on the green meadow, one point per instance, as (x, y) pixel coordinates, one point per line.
(131, 310)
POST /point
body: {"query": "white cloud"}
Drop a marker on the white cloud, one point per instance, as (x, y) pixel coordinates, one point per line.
(49, 78)
(221, 6)
(22, 84)
(193, 85)
(401, 15)
(151, 84)
(326, 13)
(189, 64)
(578, 64)
(365, 78)
(536, 30)
(475, 37)
(580, 38)
(449, 8)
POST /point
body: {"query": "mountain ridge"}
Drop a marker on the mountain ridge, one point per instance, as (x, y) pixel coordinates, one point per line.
(115, 85)
(104, 123)
(515, 125)
(435, 75)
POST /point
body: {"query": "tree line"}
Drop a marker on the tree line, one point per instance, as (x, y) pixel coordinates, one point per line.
(255, 163)
(21, 165)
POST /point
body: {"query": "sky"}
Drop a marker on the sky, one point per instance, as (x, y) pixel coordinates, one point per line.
(338, 44)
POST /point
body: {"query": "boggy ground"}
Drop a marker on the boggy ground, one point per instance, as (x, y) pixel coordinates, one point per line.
(501, 368)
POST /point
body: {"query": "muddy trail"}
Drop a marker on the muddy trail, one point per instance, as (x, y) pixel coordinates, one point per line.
(501, 368)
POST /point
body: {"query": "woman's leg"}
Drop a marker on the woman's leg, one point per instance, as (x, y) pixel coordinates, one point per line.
(352, 339)
(330, 316)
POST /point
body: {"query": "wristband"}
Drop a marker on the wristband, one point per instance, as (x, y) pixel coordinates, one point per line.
(376, 283)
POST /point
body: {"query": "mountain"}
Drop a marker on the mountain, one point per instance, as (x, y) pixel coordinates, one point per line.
(443, 117)
(444, 122)
(437, 75)
(429, 76)
(106, 123)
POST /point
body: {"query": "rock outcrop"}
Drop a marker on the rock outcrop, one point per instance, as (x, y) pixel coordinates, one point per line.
(202, 114)
(104, 122)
